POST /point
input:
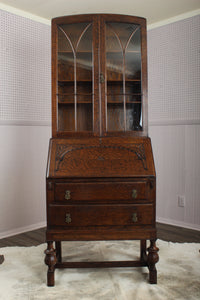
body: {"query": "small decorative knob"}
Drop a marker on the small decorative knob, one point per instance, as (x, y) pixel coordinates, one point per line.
(134, 194)
(68, 218)
(102, 79)
(67, 195)
(134, 217)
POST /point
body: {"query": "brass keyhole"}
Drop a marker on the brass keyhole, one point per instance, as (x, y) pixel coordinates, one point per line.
(67, 195)
(68, 218)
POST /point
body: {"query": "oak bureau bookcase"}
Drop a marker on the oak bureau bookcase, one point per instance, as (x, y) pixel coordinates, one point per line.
(101, 182)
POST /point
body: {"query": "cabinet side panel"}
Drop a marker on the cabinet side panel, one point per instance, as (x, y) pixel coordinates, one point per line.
(54, 77)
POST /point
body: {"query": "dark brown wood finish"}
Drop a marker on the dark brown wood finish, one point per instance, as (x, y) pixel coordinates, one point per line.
(102, 191)
(94, 158)
(101, 181)
(101, 215)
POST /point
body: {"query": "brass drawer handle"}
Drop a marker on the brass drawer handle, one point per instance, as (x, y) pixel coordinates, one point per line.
(134, 194)
(67, 195)
(68, 218)
(134, 217)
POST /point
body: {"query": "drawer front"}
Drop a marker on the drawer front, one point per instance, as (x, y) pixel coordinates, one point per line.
(101, 191)
(100, 215)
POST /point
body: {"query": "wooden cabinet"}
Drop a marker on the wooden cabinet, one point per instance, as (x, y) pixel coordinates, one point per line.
(101, 182)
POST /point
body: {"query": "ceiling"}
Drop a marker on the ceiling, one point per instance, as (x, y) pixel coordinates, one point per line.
(153, 10)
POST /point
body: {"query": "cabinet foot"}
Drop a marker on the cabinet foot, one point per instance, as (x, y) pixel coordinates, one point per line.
(50, 261)
(152, 259)
(50, 278)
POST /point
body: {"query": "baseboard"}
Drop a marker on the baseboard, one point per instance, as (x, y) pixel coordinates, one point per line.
(19, 230)
(178, 223)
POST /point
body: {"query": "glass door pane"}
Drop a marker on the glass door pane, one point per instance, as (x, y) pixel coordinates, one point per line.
(114, 79)
(123, 77)
(75, 75)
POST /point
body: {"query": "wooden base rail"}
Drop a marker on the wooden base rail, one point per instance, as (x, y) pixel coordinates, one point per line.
(100, 264)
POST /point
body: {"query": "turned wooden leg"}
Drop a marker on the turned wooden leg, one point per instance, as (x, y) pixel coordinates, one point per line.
(58, 251)
(152, 259)
(143, 250)
(50, 261)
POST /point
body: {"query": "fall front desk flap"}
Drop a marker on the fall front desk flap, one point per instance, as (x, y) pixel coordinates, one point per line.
(100, 157)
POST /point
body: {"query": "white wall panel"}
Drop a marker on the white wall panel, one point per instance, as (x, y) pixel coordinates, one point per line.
(174, 114)
(192, 182)
(23, 158)
(176, 153)
(25, 98)
(169, 154)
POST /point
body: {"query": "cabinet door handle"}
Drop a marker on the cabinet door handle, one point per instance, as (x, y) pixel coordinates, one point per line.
(102, 79)
(67, 195)
(134, 217)
(68, 218)
(134, 194)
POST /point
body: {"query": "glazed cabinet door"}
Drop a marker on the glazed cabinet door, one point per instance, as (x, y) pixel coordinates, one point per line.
(123, 75)
(75, 76)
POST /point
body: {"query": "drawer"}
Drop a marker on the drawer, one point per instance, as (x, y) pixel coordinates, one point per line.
(100, 215)
(101, 191)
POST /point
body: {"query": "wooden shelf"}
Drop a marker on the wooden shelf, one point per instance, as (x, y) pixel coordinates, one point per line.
(118, 51)
(120, 80)
(108, 102)
(122, 94)
(72, 102)
(121, 102)
(89, 52)
(73, 94)
(72, 81)
(68, 98)
(71, 52)
(108, 81)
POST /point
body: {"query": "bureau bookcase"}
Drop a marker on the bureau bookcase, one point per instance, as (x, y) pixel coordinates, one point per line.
(101, 182)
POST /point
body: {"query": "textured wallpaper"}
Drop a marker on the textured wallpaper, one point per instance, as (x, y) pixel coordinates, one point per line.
(174, 71)
(25, 69)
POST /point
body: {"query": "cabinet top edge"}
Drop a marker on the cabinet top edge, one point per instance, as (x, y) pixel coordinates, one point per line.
(61, 18)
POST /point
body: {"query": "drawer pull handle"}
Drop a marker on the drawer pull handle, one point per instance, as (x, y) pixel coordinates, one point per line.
(134, 217)
(134, 194)
(68, 218)
(67, 195)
